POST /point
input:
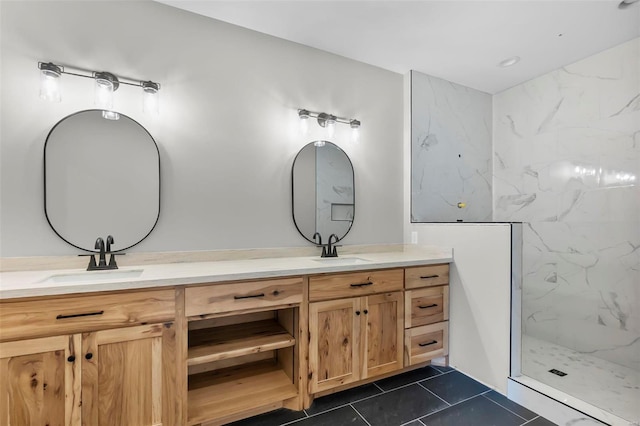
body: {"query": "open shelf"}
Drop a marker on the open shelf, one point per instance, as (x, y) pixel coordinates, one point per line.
(222, 393)
(208, 345)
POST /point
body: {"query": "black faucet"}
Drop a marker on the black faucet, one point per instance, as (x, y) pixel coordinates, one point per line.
(102, 262)
(331, 248)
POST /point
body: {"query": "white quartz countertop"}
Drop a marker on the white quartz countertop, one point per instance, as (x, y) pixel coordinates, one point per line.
(48, 283)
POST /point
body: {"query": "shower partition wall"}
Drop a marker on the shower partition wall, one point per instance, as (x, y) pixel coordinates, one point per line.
(567, 165)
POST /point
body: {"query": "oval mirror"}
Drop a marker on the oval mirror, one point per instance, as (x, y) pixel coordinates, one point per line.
(101, 177)
(323, 191)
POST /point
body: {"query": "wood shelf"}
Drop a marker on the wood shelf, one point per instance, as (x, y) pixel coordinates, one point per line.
(223, 393)
(215, 344)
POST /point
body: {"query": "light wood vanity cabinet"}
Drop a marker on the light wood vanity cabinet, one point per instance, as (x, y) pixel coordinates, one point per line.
(354, 338)
(426, 313)
(209, 354)
(100, 376)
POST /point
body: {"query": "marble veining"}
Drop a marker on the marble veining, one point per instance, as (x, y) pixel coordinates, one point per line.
(567, 163)
(451, 158)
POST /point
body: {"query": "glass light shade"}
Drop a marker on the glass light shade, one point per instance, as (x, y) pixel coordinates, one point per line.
(331, 128)
(304, 125)
(355, 134)
(103, 97)
(150, 100)
(50, 86)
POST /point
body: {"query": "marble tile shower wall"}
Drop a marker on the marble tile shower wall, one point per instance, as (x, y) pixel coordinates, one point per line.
(567, 163)
(450, 151)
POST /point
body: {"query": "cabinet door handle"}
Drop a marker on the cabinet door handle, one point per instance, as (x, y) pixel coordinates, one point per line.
(248, 296)
(71, 358)
(366, 312)
(427, 306)
(88, 314)
(426, 277)
(433, 342)
(362, 284)
(88, 356)
(357, 312)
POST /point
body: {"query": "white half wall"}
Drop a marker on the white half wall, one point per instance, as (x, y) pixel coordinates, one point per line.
(480, 302)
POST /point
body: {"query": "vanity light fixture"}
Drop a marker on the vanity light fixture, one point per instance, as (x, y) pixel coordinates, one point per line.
(106, 84)
(328, 121)
(50, 82)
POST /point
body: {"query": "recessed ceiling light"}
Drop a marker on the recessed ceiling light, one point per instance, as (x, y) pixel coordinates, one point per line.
(626, 3)
(509, 61)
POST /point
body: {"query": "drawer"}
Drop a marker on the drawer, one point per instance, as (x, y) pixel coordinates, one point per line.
(426, 306)
(337, 286)
(252, 295)
(424, 276)
(75, 314)
(424, 343)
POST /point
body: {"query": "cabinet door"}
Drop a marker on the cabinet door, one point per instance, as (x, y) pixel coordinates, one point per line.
(334, 345)
(125, 376)
(383, 340)
(40, 382)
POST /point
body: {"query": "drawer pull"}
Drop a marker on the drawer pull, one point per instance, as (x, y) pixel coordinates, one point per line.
(428, 306)
(362, 284)
(433, 342)
(88, 314)
(250, 296)
(426, 277)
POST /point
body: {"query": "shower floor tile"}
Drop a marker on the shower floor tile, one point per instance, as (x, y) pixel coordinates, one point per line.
(606, 385)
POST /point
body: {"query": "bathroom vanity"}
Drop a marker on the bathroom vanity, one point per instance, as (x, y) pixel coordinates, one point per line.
(213, 342)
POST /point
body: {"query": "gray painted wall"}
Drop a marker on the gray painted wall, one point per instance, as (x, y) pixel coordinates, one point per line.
(227, 129)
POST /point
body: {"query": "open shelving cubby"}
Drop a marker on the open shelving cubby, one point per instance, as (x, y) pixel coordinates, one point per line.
(239, 363)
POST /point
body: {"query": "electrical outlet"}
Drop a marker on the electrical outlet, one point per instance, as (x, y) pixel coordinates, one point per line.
(414, 237)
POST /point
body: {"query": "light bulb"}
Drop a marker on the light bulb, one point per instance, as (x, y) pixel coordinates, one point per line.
(150, 97)
(50, 82)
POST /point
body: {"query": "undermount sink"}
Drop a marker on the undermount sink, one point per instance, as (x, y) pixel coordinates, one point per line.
(342, 260)
(93, 276)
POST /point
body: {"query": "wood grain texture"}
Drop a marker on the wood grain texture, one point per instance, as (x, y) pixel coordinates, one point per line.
(418, 347)
(122, 379)
(334, 343)
(420, 309)
(335, 286)
(171, 396)
(37, 388)
(232, 362)
(208, 345)
(384, 334)
(236, 391)
(38, 318)
(181, 348)
(220, 298)
(424, 276)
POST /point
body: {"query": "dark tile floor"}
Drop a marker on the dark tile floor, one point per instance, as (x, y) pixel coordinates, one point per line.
(430, 396)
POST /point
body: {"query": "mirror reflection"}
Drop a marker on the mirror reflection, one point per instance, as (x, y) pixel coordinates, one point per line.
(323, 191)
(101, 177)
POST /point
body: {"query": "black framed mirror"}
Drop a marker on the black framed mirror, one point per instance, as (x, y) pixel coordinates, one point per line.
(323, 191)
(101, 177)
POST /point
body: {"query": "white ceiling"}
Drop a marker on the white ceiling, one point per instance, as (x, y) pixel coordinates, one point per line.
(461, 41)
